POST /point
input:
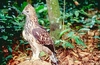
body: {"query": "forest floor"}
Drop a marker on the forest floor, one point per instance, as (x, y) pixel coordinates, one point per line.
(76, 56)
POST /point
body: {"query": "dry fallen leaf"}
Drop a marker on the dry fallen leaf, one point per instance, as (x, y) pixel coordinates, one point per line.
(82, 54)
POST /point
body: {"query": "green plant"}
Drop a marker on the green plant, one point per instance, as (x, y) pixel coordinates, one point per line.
(42, 14)
(69, 38)
(11, 25)
(77, 19)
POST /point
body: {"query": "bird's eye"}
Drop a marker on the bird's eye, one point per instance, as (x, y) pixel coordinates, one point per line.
(27, 11)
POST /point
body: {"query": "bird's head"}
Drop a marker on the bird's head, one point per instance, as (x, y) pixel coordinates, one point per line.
(29, 10)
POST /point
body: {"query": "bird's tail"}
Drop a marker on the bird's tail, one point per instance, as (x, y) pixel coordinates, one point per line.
(53, 58)
(50, 49)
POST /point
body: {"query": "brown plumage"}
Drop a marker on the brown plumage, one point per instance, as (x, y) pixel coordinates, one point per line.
(38, 37)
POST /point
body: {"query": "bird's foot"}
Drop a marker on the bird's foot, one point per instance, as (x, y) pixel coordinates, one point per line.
(35, 57)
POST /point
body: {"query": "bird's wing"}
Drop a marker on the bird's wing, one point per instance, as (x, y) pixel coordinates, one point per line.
(43, 37)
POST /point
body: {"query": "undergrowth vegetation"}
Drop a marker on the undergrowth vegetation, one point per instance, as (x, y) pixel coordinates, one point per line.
(78, 18)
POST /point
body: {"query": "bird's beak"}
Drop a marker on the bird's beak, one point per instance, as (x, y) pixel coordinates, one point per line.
(22, 13)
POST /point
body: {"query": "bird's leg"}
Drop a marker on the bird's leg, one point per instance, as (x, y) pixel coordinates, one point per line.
(34, 52)
(37, 54)
(37, 51)
(33, 55)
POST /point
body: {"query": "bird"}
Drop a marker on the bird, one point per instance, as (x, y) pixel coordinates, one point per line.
(38, 38)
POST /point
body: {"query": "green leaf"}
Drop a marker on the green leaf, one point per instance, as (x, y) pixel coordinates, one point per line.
(28, 49)
(70, 34)
(42, 53)
(19, 9)
(5, 37)
(23, 5)
(67, 45)
(64, 31)
(9, 48)
(8, 57)
(16, 7)
(84, 29)
(23, 42)
(1, 26)
(98, 37)
(41, 21)
(75, 20)
(78, 41)
(76, 13)
(57, 43)
(41, 8)
(98, 22)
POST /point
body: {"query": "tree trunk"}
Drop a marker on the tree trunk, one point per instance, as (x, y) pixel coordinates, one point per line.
(54, 17)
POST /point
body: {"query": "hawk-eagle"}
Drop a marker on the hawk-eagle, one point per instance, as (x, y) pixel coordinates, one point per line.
(38, 38)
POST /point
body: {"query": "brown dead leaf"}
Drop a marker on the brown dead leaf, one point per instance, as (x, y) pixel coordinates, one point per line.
(82, 54)
(96, 58)
(76, 3)
(85, 59)
(70, 60)
(77, 63)
(75, 54)
(13, 62)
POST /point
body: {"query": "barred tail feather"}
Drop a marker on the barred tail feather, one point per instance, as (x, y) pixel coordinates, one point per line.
(53, 58)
